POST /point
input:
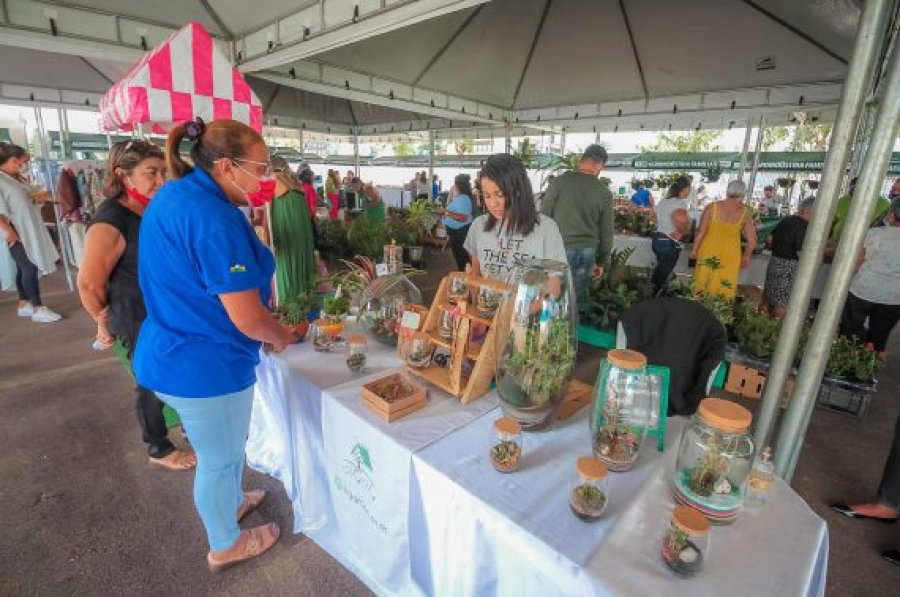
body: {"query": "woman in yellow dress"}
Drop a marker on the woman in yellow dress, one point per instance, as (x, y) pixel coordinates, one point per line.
(717, 247)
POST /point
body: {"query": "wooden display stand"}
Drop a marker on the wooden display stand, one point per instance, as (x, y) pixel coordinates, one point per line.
(451, 379)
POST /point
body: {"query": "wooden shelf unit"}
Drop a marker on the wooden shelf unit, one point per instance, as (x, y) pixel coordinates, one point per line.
(451, 379)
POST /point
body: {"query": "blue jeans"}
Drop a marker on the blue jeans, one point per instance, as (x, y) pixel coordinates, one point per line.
(667, 252)
(581, 264)
(218, 428)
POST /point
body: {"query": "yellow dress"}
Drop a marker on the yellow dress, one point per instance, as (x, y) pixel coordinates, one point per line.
(723, 243)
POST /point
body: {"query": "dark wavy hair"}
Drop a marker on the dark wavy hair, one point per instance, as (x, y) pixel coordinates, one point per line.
(463, 184)
(124, 157)
(508, 172)
(9, 151)
(681, 183)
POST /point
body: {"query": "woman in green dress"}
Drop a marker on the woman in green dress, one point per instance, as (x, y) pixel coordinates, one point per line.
(292, 233)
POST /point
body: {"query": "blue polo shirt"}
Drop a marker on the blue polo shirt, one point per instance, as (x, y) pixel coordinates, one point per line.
(641, 198)
(461, 204)
(196, 245)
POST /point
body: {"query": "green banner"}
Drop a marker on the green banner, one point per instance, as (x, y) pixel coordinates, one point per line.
(4, 135)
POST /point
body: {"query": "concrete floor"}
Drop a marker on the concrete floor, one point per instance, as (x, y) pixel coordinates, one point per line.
(84, 515)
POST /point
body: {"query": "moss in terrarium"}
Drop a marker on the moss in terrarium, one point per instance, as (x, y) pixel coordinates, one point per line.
(587, 502)
(356, 361)
(681, 555)
(421, 357)
(505, 456)
(539, 370)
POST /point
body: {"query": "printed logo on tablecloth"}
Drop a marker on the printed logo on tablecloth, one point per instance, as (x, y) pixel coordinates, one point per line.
(356, 481)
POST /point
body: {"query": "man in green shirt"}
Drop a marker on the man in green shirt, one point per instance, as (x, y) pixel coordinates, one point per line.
(582, 208)
(842, 211)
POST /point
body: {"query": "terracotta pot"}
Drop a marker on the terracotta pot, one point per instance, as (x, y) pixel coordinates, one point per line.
(300, 329)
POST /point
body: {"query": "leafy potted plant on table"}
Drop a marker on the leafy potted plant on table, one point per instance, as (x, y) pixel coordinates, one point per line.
(293, 314)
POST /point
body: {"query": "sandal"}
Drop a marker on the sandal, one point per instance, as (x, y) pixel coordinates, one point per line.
(251, 543)
(251, 501)
(176, 460)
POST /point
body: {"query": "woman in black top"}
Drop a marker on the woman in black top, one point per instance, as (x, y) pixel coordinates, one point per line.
(785, 240)
(108, 279)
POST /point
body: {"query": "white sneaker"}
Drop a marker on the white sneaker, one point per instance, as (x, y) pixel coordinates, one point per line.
(45, 315)
(26, 311)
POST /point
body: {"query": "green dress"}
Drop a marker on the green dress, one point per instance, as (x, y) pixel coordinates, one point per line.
(293, 239)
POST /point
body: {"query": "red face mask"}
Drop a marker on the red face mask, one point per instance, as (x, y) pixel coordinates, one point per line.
(138, 196)
(264, 192)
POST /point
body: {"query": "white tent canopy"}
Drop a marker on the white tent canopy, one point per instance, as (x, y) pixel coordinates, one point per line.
(390, 66)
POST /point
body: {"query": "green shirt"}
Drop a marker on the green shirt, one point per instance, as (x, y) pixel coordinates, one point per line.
(879, 210)
(374, 211)
(582, 207)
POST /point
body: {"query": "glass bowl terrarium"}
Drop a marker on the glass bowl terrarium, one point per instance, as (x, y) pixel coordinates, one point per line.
(382, 304)
(714, 460)
(536, 343)
(419, 350)
(457, 288)
(623, 401)
(487, 300)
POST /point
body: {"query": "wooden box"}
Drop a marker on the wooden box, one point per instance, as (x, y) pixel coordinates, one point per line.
(391, 410)
(748, 382)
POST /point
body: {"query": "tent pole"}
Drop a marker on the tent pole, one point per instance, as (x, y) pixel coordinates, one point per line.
(856, 84)
(60, 229)
(745, 150)
(64, 142)
(431, 165)
(815, 357)
(508, 144)
(562, 144)
(760, 133)
(356, 151)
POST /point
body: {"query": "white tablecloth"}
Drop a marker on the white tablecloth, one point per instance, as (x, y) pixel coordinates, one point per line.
(482, 532)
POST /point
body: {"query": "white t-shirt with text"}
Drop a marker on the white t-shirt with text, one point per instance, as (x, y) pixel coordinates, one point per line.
(497, 251)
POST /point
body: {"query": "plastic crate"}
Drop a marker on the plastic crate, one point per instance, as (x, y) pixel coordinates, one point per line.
(844, 400)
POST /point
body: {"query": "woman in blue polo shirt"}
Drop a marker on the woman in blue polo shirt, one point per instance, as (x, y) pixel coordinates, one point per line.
(458, 217)
(206, 281)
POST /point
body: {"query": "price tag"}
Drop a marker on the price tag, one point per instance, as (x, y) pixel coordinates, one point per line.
(381, 269)
(411, 319)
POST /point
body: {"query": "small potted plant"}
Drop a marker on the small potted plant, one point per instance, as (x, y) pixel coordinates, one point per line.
(336, 309)
(293, 314)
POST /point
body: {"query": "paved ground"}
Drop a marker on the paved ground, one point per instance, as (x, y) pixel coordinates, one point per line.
(84, 515)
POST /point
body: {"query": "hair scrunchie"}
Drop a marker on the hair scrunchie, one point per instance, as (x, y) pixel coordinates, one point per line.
(193, 129)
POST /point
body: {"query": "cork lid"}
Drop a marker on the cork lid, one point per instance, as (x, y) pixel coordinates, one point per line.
(355, 338)
(591, 468)
(507, 426)
(725, 415)
(690, 521)
(624, 358)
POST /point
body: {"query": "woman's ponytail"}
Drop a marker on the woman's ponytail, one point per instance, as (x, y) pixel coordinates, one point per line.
(175, 163)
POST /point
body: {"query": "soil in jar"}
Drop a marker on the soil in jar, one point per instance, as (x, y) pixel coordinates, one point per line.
(392, 389)
(587, 502)
(616, 446)
(681, 555)
(323, 342)
(505, 456)
(356, 361)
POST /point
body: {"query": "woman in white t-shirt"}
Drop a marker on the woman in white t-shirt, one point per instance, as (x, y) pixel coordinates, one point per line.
(875, 289)
(512, 230)
(672, 223)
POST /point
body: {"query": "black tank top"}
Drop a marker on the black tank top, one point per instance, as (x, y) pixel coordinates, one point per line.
(123, 294)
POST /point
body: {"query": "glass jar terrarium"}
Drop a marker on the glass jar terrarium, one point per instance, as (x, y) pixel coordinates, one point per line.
(714, 460)
(685, 546)
(623, 403)
(487, 301)
(536, 343)
(382, 304)
(457, 288)
(419, 350)
(393, 257)
(506, 451)
(589, 494)
(356, 352)
(447, 322)
(322, 337)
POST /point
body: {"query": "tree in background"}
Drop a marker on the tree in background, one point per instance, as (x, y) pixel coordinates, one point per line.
(803, 137)
(402, 148)
(464, 146)
(692, 142)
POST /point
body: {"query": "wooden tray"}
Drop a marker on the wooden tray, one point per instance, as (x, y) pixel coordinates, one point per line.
(391, 411)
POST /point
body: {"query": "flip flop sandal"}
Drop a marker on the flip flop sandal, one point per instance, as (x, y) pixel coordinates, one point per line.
(177, 460)
(251, 501)
(257, 541)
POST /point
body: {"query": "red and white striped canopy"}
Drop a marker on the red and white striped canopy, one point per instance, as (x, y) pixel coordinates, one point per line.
(185, 77)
